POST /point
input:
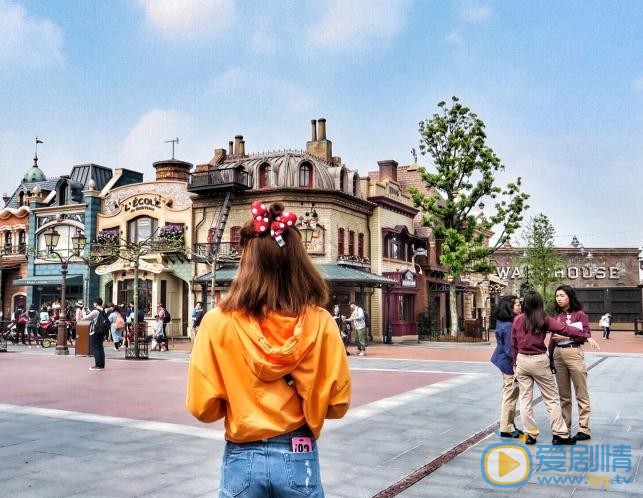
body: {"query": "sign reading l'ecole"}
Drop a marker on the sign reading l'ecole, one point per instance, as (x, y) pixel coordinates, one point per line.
(143, 203)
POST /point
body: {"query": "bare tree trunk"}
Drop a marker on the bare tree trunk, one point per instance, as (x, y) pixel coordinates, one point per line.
(453, 308)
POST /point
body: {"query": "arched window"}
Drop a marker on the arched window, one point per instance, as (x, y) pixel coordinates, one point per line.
(355, 184)
(235, 237)
(21, 199)
(141, 228)
(342, 180)
(340, 241)
(306, 175)
(22, 241)
(7, 241)
(360, 245)
(351, 243)
(264, 175)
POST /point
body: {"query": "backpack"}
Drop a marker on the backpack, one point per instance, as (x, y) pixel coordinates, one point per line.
(119, 323)
(101, 324)
(367, 319)
(167, 317)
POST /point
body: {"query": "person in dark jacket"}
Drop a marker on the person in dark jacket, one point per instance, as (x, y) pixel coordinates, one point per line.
(32, 324)
(20, 327)
(508, 308)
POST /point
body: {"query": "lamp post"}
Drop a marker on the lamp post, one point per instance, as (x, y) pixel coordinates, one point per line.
(51, 241)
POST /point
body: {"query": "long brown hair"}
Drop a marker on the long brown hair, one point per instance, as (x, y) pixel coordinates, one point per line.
(535, 317)
(274, 278)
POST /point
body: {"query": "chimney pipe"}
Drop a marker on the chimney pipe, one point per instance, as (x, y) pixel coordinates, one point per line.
(230, 149)
(6, 199)
(242, 148)
(237, 144)
(313, 129)
(321, 129)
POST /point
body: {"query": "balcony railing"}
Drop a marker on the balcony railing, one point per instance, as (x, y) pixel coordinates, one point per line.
(227, 252)
(236, 179)
(9, 251)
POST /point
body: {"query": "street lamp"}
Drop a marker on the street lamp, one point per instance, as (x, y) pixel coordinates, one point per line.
(308, 224)
(51, 241)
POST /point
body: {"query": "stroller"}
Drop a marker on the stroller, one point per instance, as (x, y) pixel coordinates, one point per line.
(48, 332)
(9, 332)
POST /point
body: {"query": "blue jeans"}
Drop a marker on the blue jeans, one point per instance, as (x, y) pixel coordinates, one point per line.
(269, 468)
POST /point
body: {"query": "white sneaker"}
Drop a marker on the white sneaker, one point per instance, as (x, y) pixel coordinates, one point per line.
(361, 353)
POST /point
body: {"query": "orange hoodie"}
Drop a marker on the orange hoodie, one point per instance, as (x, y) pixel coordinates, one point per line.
(237, 370)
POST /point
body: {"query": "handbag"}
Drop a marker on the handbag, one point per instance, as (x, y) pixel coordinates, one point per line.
(22, 320)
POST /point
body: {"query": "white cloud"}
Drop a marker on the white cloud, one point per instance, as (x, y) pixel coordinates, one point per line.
(638, 84)
(475, 13)
(260, 87)
(357, 24)
(189, 18)
(145, 143)
(27, 41)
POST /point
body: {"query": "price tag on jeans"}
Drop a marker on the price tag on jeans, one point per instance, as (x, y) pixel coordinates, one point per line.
(302, 445)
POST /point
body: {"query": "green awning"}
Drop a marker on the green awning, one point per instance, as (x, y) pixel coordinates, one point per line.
(48, 280)
(335, 274)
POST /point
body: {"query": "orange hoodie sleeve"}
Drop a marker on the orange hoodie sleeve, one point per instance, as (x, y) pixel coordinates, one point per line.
(205, 393)
(325, 383)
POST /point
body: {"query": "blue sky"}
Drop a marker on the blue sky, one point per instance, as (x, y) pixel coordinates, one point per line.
(558, 84)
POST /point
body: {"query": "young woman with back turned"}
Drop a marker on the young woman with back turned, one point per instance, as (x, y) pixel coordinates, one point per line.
(531, 364)
(508, 308)
(270, 361)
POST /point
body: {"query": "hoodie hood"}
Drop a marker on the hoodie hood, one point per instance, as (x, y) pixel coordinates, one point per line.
(273, 346)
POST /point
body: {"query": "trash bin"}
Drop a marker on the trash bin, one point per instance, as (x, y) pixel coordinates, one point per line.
(82, 338)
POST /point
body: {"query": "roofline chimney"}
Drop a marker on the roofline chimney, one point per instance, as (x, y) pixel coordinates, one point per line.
(230, 149)
(321, 129)
(313, 129)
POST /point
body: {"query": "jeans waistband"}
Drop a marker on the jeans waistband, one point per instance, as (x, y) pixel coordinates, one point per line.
(570, 345)
(303, 431)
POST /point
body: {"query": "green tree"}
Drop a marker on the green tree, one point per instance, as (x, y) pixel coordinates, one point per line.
(466, 169)
(539, 259)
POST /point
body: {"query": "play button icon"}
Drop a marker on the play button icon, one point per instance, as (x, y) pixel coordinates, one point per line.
(506, 465)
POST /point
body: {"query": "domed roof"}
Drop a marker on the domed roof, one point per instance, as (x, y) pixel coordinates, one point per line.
(34, 174)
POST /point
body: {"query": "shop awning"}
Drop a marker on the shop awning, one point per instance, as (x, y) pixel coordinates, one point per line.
(48, 280)
(335, 274)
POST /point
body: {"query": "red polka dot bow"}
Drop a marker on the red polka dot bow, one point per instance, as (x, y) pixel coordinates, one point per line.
(261, 221)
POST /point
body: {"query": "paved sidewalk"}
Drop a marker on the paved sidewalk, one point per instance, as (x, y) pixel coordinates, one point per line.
(66, 431)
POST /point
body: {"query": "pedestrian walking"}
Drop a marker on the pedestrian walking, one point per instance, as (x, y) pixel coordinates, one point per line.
(117, 326)
(531, 365)
(97, 332)
(605, 323)
(32, 325)
(508, 308)
(569, 360)
(269, 360)
(20, 319)
(358, 322)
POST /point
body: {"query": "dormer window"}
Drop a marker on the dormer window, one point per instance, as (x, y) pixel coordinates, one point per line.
(306, 175)
(21, 199)
(342, 181)
(264, 175)
(355, 184)
(62, 194)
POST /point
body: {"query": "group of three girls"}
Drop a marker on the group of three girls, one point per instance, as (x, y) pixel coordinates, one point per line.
(524, 360)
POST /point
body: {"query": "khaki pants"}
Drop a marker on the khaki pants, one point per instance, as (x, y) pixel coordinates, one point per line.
(571, 369)
(510, 394)
(361, 339)
(535, 368)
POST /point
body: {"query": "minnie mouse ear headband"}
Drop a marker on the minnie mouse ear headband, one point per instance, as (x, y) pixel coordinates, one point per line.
(262, 221)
